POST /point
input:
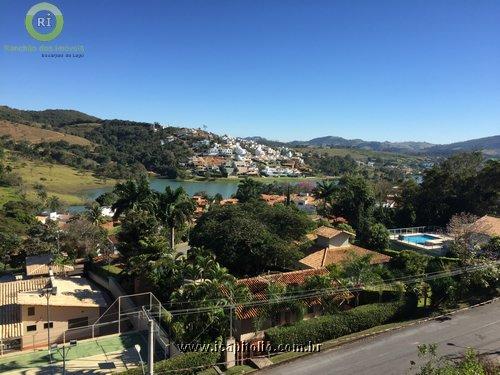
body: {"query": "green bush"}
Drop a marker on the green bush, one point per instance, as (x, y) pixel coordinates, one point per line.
(190, 363)
(373, 296)
(390, 252)
(329, 327)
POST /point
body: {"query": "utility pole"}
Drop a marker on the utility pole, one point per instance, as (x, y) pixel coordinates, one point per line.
(151, 347)
(47, 292)
(47, 296)
(231, 321)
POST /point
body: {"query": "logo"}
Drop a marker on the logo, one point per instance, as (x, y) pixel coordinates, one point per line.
(44, 22)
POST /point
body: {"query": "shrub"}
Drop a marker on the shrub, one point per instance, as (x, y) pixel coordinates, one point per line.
(329, 327)
(373, 296)
(190, 363)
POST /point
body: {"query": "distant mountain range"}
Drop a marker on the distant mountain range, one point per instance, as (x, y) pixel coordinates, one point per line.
(62, 119)
(490, 146)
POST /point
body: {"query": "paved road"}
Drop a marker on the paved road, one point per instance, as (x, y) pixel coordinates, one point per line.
(391, 352)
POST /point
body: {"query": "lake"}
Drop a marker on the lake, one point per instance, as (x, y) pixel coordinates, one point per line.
(226, 189)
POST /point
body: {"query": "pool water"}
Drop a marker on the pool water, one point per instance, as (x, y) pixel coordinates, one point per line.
(419, 239)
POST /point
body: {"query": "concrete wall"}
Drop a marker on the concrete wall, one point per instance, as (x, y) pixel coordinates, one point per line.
(59, 316)
(341, 239)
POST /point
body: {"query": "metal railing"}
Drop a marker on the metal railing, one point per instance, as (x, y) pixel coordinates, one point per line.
(416, 230)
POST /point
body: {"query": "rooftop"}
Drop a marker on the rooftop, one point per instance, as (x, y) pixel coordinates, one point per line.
(73, 291)
(38, 265)
(258, 287)
(336, 255)
(489, 225)
(329, 232)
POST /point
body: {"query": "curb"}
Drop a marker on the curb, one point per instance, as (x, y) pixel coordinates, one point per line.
(358, 338)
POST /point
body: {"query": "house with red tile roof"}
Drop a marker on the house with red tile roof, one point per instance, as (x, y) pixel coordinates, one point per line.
(247, 316)
(333, 246)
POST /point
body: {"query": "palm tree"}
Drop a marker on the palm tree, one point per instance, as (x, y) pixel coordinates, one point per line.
(208, 284)
(175, 208)
(358, 272)
(324, 190)
(94, 214)
(133, 194)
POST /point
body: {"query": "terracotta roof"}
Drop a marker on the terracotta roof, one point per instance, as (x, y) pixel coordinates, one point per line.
(38, 265)
(272, 199)
(10, 313)
(329, 232)
(260, 283)
(489, 225)
(258, 287)
(107, 225)
(335, 255)
(229, 201)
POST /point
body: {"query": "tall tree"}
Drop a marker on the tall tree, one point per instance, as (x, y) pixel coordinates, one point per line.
(132, 195)
(358, 272)
(175, 208)
(451, 187)
(214, 287)
(249, 189)
(324, 191)
(354, 200)
(94, 214)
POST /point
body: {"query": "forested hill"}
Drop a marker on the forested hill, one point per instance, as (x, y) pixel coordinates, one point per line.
(119, 148)
(53, 117)
(489, 145)
(116, 149)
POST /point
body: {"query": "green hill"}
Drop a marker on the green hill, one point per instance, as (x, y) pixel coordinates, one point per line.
(53, 117)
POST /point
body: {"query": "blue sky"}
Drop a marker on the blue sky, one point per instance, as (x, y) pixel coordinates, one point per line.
(376, 70)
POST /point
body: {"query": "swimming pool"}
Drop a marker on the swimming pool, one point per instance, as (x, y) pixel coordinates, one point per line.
(419, 239)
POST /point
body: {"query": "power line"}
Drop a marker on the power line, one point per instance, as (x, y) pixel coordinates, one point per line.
(296, 295)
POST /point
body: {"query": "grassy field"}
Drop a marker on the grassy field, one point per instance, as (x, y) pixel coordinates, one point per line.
(31, 134)
(8, 194)
(62, 181)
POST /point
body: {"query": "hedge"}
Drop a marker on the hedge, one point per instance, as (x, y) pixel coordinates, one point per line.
(191, 362)
(373, 296)
(330, 327)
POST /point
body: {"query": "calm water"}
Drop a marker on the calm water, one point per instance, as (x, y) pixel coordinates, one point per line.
(226, 189)
(419, 238)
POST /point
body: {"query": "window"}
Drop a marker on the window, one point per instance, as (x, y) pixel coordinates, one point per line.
(78, 322)
(31, 328)
(31, 311)
(46, 324)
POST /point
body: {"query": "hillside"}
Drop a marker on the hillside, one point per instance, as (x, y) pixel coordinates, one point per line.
(489, 145)
(62, 181)
(53, 117)
(32, 134)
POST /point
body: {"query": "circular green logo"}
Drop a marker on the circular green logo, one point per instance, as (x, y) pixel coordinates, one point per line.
(44, 22)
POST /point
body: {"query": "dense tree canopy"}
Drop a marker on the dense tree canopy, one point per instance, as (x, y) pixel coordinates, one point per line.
(462, 183)
(252, 238)
(353, 199)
